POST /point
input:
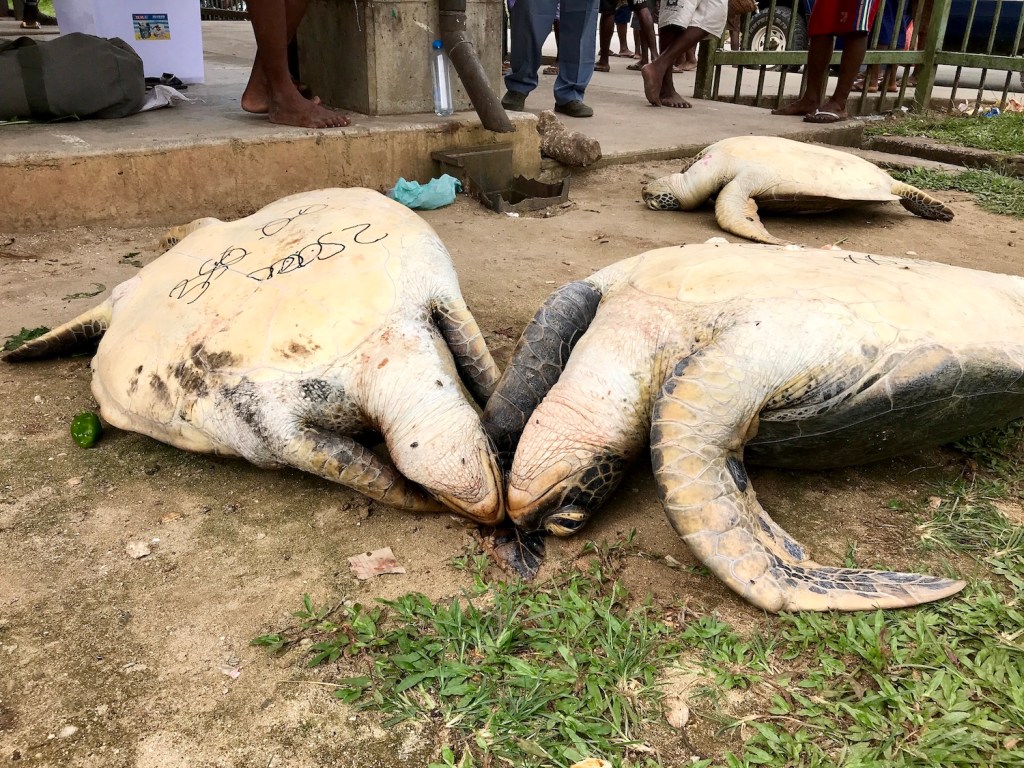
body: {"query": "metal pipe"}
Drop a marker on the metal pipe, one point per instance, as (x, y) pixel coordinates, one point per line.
(463, 56)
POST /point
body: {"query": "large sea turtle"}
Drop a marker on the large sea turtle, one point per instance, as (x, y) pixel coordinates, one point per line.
(717, 353)
(774, 174)
(284, 336)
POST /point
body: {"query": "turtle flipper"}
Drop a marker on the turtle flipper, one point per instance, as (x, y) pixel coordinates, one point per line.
(736, 212)
(537, 362)
(466, 342)
(921, 203)
(175, 235)
(698, 431)
(73, 336)
(343, 460)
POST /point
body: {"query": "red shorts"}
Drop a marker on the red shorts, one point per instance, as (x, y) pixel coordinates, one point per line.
(840, 17)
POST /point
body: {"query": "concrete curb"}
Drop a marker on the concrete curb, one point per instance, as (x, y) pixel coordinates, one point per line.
(967, 157)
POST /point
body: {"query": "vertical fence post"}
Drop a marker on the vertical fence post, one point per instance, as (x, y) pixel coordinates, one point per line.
(705, 75)
(926, 75)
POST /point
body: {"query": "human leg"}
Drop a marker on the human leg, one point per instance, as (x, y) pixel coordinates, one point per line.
(530, 22)
(622, 16)
(271, 88)
(855, 45)
(819, 54)
(606, 28)
(576, 59)
(694, 20)
(658, 85)
(648, 30)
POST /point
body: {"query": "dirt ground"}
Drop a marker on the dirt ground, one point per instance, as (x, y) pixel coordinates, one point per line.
(108, 660)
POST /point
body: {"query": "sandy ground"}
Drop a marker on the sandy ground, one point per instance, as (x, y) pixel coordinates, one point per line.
(108, 660)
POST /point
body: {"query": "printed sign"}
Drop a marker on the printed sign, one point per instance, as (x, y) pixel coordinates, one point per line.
(151, 26)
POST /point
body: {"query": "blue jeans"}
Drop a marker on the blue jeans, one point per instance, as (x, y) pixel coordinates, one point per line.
(531, 22)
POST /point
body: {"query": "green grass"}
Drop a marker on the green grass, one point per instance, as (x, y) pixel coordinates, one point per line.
(526, 675)
(994, 192)
(1004, 133)
(513, 674)
(26, 334)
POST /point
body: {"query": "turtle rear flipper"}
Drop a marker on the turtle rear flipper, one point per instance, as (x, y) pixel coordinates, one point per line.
(699, 428)
(921, 203)
(74, 336)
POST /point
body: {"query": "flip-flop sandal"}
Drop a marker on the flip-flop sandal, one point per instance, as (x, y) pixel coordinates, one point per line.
(602, 68)
(166, 79)
(822, 117)
(550, 70)
(635, 67)
(624, 54)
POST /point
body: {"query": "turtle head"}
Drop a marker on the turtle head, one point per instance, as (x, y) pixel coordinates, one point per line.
(574, 452)
(450, 456)
(564, 496)
(659, 196)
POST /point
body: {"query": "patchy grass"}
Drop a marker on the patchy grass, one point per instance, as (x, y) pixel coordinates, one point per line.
(528, 675)
(1004, 133)
(26, 334)
(993, 191)
(532, 675)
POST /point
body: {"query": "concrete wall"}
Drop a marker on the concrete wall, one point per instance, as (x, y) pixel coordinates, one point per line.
(373, 57)
(168, 185)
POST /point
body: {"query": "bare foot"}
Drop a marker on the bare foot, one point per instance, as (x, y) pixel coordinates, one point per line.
(689, 66)
(297, 111)
(801, 106)
(673, 99)
(625, 53)
(256, 96)
(652, 84)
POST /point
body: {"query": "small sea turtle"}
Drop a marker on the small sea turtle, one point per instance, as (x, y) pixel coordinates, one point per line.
(751, 172)
(784, 357)
(284, 336)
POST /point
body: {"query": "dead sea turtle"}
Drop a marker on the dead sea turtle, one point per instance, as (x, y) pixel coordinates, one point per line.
(284, 336)
(783, 357)
(751, 172)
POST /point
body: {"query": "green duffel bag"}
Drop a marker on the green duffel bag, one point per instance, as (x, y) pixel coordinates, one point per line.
(71, 76)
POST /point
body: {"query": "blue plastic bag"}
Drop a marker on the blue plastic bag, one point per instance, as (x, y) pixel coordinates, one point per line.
(436, 193)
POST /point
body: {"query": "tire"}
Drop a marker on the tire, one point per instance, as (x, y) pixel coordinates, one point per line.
(773, 37)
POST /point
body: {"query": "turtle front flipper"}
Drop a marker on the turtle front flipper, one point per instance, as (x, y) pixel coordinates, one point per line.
(343, 460)
(736, 212)
(537, 363)
(706, 412)
(466, 341)
(921, 203)
(74, 336)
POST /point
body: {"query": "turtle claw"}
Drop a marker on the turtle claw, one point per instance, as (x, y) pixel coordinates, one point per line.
(516, 552)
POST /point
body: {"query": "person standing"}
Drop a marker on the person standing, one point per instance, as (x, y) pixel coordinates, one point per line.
(850, 20)
(530, 22)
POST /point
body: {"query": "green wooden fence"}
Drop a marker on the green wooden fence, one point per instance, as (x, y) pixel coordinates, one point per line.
(925, 55)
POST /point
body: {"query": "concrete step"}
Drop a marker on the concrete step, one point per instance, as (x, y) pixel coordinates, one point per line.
(896, 162)
(965, 157)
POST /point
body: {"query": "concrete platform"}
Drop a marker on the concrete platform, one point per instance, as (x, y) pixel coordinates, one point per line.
(208, 157)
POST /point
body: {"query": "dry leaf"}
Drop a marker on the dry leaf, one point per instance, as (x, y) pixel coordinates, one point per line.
(370, 564)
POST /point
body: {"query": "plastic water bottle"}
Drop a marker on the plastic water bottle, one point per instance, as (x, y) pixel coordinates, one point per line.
(444, 104)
